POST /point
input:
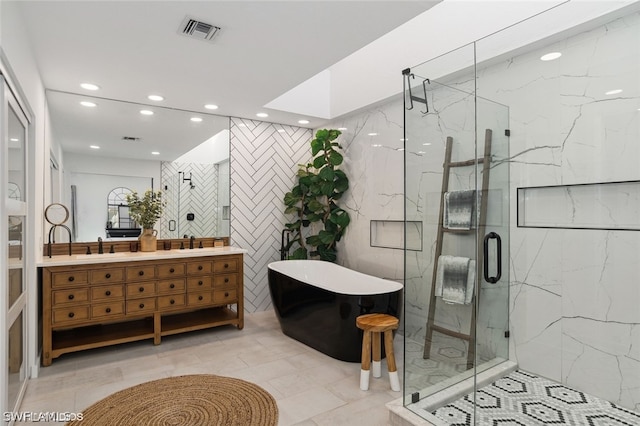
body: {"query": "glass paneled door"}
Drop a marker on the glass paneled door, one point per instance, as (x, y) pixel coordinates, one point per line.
(456, 185)
(13, 299)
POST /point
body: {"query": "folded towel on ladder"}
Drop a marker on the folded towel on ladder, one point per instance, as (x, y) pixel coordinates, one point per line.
(458, 209)
(455, 279)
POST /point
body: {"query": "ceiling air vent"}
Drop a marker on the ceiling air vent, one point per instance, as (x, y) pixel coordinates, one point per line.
(130, 138)
(191, 27)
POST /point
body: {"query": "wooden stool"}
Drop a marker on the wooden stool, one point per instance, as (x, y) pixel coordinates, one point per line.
(376, 324)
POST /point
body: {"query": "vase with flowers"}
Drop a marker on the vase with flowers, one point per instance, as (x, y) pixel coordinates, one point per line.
(146, 211)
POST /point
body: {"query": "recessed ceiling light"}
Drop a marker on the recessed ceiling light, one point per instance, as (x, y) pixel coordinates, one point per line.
(372, 134)
(426, 143)
(87, 104)
(376, 145)
(550, 56)
(196, 119)
(400, 149)
(94, 147)
(156, 98)
(303, 121)
(421, 152)
(155, 153)
(402, 139)
(342, 128)
(262, 114)
(613, 92)
(146, 112)
(14, 140)
(211, 106)
(89, 86)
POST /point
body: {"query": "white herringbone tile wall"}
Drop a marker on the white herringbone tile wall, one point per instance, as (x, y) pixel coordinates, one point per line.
(202, 200)
(264, 162)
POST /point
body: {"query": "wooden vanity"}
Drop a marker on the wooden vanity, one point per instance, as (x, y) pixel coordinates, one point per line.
(90, 301)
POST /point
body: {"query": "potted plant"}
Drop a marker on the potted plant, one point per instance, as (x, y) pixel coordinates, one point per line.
(319, 221)
(146, 211)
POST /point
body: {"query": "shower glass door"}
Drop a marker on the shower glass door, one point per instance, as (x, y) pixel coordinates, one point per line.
(454, 328)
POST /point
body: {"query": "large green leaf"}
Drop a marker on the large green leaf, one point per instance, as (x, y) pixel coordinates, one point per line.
(326, 174)
(292, 209)
(327, 254)
(322, 134)
(333, 134)
(319, 161)
(316, 146)
(340, 218)
(315, 206)
(326, 237)
(299, 253)
(313, 240)
(326, 188)
(335, 158)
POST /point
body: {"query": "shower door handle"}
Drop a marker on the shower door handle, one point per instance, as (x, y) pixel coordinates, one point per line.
(487, 278)
(172, 225)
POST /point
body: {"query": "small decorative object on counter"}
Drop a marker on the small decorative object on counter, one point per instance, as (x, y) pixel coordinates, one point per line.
(218, 242)
(146, 211)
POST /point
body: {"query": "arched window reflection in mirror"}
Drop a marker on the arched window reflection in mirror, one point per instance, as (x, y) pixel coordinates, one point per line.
(118, 219)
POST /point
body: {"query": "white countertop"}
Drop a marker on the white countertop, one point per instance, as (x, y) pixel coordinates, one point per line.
(82, 259)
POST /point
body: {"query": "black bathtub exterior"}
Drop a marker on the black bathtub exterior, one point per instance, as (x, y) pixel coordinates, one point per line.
(324, 320)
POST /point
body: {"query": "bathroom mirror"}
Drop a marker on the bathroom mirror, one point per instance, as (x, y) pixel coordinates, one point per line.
(105, 144)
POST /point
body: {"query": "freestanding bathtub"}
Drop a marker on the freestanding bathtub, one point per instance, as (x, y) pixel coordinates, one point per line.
(317, 303)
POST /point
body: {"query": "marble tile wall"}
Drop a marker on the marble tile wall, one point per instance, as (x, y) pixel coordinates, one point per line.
(574, 293)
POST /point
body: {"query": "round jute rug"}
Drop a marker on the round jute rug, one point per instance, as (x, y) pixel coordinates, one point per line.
(195, 400)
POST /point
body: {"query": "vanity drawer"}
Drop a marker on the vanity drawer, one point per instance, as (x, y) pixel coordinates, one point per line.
(171, 301)
(226, 265)
(200, 267)
(142, 289)
(141, 306)
(170, 270)
(69, 315)
(230, 280)
(107, 310)
(107, 292)
(225, 296)
(199, 283)
(77, 296)
(171, 286)
(199, 299)
(71, 278)
(104, 276)
(141, 272)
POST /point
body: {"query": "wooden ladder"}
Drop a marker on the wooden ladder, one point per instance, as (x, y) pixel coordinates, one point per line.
(485, 160)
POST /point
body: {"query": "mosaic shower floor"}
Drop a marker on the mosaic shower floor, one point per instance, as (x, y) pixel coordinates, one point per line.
(522, 399)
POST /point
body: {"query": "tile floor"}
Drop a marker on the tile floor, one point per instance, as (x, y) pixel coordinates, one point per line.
(310, 387)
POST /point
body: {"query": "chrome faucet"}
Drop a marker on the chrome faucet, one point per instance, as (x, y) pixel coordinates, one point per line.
(100, 249)
(191, 240)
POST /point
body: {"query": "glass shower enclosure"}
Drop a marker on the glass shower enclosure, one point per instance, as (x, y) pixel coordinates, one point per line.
(457, 186)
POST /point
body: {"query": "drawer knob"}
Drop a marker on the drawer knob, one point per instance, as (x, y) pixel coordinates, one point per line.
(226, 294)
(71, 279)
(200, 282)
(141, 289)
(172, 270)
(172, 285)
(226, 265)
(108, 310)
(107, 276)
(108, 292)
(226, 280)
(199, 267)
(172, 301)
(141, 305)
(199, 297)
(71, 314)
(71, 297)
(141, 273)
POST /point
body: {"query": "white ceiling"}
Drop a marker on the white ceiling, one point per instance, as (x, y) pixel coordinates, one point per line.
(263, 51)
